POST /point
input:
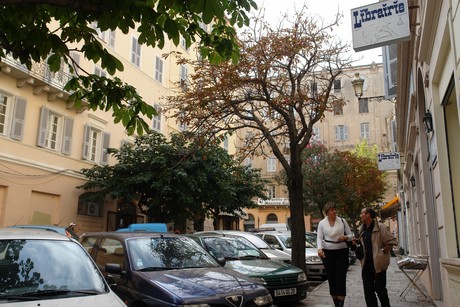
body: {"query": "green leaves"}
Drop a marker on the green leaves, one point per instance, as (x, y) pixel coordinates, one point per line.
(28, 34)
(176, 179)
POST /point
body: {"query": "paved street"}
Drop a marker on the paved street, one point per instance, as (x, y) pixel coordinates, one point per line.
(396, 282)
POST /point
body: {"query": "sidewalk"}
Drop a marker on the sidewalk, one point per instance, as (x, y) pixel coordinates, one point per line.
(396, 282)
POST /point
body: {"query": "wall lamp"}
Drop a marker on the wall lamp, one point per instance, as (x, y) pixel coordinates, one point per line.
(412, 180)
(358, 83)
(428, 121)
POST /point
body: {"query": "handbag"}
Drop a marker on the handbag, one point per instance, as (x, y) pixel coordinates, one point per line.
(350, 244)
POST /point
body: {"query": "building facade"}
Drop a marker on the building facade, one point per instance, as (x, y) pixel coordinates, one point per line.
(428, 107)
(45, 141)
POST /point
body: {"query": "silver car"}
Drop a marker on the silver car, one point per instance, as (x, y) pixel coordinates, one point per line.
(45, 268)
(282, 241)
(271, 252)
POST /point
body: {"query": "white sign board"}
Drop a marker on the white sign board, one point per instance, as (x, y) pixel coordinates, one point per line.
(379, 24)
(389, 161)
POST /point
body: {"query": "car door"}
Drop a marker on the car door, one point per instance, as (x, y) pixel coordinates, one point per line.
(112, 251)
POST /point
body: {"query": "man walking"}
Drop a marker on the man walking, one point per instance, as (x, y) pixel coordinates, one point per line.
(377, 241)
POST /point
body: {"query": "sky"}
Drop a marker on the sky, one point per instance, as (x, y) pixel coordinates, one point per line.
(326, 9)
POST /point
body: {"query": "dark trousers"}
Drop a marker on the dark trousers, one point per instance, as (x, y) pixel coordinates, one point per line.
(375, 283)
(336, 265)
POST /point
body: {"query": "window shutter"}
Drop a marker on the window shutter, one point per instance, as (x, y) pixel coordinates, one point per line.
(390, 69)
(345, 132)
(336, 128)
(86, 141)
(19, 115)
(67, 138)
(105, 145)
(42, 130)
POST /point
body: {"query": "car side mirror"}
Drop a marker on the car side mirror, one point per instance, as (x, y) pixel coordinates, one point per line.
(113, 268)
(221, 261)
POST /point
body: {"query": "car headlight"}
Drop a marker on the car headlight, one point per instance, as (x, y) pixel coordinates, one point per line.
(302, 277)
(263, 300)
(315, 259)
(259, 280)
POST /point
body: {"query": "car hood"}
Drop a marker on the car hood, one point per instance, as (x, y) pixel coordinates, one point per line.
(107, 299)
(276, 254)
(261, 267)
(190, 284)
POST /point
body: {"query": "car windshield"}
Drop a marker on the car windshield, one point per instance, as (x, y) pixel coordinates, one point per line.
(286, 239)
(36, 267)
(232, 248)
(310, 242)
(258, 242)
(167, 253)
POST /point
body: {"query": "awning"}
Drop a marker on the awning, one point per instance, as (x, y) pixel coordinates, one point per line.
(390, 208)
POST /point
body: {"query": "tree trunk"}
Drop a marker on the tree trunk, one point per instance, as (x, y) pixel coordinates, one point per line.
(295, 188)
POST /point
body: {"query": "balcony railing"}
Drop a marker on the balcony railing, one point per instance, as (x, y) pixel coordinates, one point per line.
(40, 71)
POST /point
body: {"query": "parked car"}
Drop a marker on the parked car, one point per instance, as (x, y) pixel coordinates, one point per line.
(271, 252)
(282, 241)
(286, 283)
(351, 254)
(43, 268)
(164, 269)
(66, 231)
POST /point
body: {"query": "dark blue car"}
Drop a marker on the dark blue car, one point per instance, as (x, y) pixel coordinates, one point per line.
(162, 269)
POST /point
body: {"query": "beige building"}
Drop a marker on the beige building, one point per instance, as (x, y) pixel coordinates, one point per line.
(371, 117)
(428, 87)
(45, 142)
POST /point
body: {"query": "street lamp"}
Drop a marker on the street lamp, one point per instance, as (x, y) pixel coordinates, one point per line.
(428, 121)
(412, 180)
(357, 83)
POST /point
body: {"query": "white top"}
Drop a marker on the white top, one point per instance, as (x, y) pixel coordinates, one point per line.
(332, 233)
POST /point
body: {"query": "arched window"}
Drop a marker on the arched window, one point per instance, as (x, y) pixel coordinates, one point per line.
(250, 223)
(272, 218)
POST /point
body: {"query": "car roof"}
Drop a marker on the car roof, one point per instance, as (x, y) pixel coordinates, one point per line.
(31, 234)
(129, 234)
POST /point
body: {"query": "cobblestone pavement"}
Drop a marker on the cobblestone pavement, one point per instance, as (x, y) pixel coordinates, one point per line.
(396, 282)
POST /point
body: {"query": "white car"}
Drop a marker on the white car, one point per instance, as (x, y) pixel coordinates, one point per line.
(44, 268)
(271, 252)
(282, 241)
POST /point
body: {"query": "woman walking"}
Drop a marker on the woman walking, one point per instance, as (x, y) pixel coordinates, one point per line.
(333, 232)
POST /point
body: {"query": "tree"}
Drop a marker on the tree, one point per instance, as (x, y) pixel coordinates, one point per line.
(31, 31)
(280, 87)
(175, 180)
(322, 171)
(349, 180)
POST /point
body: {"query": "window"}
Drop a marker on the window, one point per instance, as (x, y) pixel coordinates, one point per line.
(135, 52)
(12, 116)
(5, 108)
(183, 76)
(95, 145)
(248, 162)
(107, 36)
(341, 133)
(271, 165)
(183, 43)
(272, 218)
(181, 121)
(338, 109)
(337, 85)
(110, 251)
(315, 136)
(271, 192)
(157, 118)
(365, 131)
(99, 72)
(55, 131)
(226, 143)
(158, 69)
(363, 105)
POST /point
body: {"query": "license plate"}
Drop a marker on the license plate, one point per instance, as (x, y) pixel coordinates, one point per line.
(284, 292)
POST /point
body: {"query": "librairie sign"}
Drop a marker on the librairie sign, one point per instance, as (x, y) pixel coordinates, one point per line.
(389, 161)
(379, 24)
